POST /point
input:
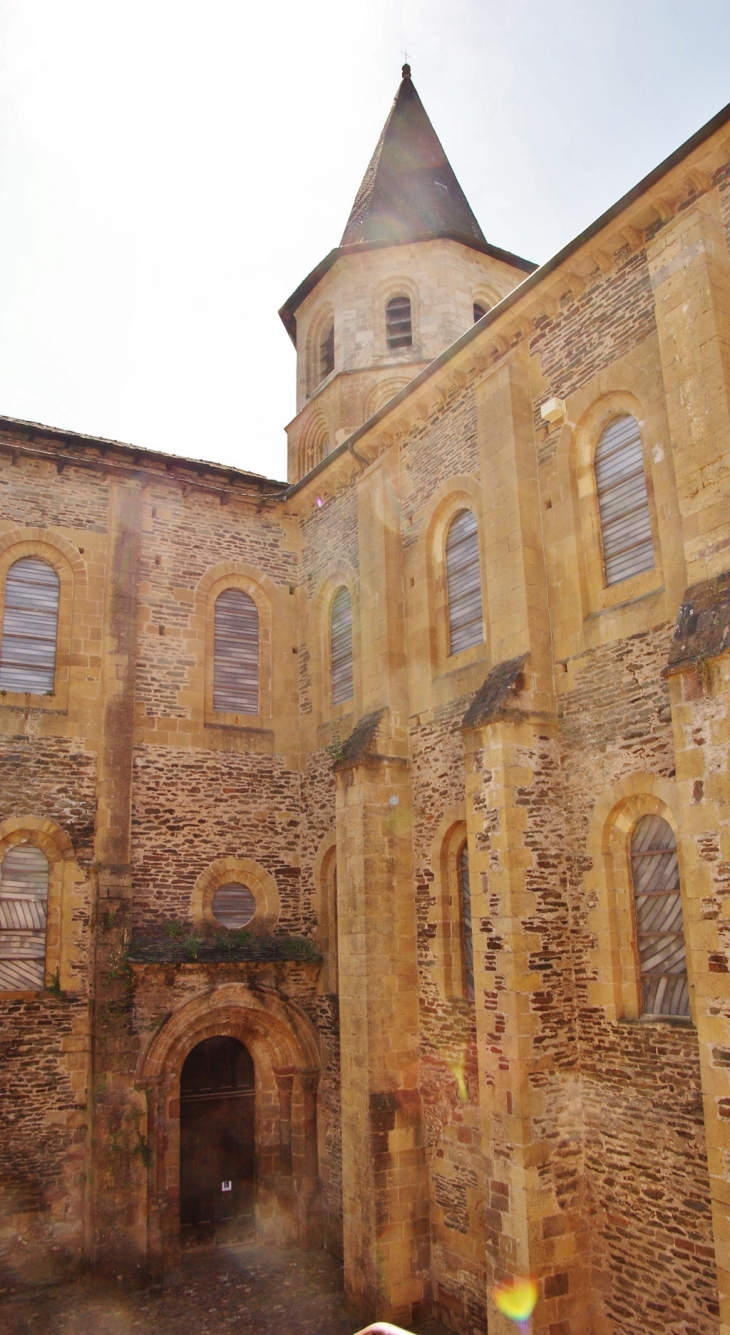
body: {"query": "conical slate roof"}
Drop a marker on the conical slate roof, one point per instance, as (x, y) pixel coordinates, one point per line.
(409, 191)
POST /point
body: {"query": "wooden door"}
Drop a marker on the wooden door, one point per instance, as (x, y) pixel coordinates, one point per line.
(217, 1135)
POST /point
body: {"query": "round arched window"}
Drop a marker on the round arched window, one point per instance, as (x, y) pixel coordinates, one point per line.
(233, 905)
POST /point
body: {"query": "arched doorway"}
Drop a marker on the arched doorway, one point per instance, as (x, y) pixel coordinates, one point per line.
(217, 1139)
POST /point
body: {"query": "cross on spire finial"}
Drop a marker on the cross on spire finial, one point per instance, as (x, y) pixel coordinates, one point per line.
(406, 71)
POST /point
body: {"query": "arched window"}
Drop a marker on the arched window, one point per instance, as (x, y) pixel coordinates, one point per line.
(341, 632)
(479, 311)
(623, 504)
(463, 582)
(23, 904)
(398, 323)
(467, 941)
(30, 627)
(658, 913)
(236, 654)
(327, 353)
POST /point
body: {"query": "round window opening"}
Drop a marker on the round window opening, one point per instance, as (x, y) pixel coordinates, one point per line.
(233, 905)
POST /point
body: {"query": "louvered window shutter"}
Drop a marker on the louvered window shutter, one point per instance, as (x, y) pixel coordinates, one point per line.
(327, 353)
(341, 627)
(30, 627)
(236, 654)
(464, 585)
(398, 323)
(233, 905)
(23, 902)
(658, 912)
(467, 941)
(623, 503)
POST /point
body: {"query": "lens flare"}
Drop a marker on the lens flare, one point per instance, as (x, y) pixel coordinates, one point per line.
(457, 1070)
(516, 1299)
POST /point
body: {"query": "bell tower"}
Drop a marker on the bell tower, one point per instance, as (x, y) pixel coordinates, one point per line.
(412, 272)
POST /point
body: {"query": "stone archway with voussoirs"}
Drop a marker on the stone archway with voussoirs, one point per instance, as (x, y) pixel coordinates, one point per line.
(283, 1044)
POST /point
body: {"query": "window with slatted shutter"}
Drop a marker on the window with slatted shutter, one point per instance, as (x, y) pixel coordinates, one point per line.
(658, 914)
(398, 323)
(327, 353)
(236, 654)
(341, 632)
(464, 585)
(233, 905)
(623, 503)
(23, 904)
(30, 627)
(467, 941)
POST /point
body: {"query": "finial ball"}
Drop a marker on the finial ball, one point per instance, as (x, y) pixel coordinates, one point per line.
(406, 71)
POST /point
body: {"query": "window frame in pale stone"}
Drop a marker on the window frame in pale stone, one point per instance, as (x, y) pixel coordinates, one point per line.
(599, 595)
(446, 916)
(315, 443)
(325, 882)
(330, 715)
(230, 575)
(65, 559)
(429, 605)
(609, 888)
(241, 871)
(641, 860)
(389, 289)
(64, 876)
(322, 319)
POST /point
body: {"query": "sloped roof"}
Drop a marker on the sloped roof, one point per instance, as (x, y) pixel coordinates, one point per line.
(408, 193)
(409, 189)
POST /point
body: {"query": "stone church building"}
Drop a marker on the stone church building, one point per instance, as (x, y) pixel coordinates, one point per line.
(365, 839)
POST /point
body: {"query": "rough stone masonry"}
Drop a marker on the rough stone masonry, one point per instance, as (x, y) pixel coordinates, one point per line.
(428, 825)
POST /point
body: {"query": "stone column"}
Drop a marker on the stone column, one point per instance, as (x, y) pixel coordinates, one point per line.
(690, 276)
(119, 1140)
(310, 1224)
(385, 1191)
(523, 980)
(286, 1209)
(284, 1083)
(699, 687)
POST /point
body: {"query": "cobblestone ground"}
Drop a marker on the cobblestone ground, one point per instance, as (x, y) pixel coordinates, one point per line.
(252, 1290)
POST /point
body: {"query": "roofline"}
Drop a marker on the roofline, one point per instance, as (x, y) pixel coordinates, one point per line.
(291, 305)
(532, 281)
(140, 456)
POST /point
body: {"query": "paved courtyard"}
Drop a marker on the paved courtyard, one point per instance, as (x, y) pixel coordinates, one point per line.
(252, 1290)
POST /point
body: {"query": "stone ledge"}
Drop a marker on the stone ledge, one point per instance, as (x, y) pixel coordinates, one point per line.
(703, 624)
(493, 692)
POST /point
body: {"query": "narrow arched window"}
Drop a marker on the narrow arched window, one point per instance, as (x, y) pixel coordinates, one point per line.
(341, 632)
(327, 353)
(479, 311)
(467, 940)
(30, 627)
(398, 323)
(623, 503)
(464, 585)
(23, 905)
(236, 654)
(658, 913)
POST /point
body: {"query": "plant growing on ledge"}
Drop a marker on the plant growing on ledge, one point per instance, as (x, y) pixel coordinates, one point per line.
(191, 946)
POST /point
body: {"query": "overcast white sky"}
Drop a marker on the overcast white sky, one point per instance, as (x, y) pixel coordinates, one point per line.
(170, 171)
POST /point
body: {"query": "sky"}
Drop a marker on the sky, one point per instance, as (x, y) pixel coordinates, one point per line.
(170, 171)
